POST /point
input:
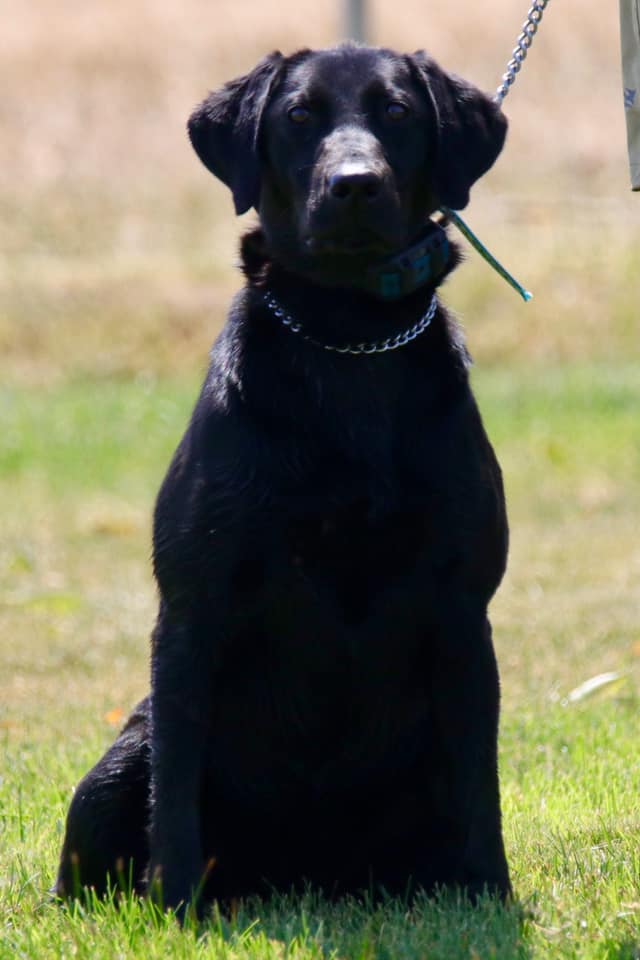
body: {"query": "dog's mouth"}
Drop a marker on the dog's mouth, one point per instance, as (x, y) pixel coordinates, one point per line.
(364, 260)
(361, 243)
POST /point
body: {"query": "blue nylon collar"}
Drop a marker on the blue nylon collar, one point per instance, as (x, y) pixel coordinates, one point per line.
(420, 264)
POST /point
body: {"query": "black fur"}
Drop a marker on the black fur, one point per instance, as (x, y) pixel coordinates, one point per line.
(324, 692)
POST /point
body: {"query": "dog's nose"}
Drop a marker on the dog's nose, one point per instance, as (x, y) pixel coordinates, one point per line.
(354, 181)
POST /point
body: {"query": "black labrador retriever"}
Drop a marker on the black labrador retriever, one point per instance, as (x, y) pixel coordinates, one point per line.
(324, 691)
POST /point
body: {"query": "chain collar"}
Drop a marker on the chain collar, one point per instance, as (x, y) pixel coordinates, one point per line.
(357, 349)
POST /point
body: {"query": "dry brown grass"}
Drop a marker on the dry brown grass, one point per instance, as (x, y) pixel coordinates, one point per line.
(102, 90)
(116, 247)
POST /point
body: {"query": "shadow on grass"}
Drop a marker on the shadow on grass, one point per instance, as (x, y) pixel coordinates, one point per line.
(444, 927)
(627, 950)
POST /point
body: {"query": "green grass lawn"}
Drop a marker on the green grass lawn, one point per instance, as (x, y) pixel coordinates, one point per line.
(80, 462)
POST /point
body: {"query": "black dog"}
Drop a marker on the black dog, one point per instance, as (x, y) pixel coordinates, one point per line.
(324, 692)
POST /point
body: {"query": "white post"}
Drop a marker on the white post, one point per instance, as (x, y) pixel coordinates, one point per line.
(630, 38)
(355, 20)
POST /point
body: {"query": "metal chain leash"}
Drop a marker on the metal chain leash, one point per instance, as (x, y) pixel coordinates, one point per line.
(519, 55)
(521, 49)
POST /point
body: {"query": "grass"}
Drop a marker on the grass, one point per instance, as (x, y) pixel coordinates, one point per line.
(116, 245)
(79, 464)
(571, 821)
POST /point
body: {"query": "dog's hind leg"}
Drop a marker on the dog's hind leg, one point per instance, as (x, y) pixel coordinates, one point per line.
(106, 842)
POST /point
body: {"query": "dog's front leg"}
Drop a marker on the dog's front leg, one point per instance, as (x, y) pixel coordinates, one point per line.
(181, 679)
(466, 698)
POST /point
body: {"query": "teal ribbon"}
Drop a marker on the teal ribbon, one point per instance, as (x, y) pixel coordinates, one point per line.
(478, 245)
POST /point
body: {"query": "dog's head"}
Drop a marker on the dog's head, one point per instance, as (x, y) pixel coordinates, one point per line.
(346, 152)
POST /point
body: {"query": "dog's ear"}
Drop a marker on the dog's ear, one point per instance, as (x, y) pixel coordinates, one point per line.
(224, 130)
(471, 130)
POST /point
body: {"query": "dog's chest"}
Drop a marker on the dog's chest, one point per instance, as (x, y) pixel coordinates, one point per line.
(326, 654)
(352, 557)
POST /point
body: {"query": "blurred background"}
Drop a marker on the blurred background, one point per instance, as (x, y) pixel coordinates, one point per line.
(117, 247)
(117, 254)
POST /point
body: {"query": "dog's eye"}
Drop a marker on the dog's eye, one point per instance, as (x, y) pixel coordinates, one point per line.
(396, 110)
(299, 114)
